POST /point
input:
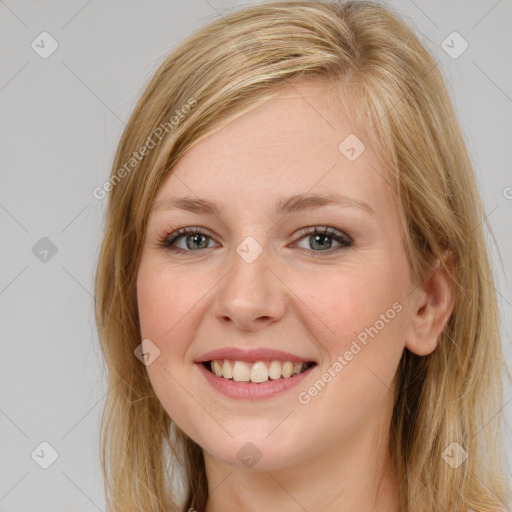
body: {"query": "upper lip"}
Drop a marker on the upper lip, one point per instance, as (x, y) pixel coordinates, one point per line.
(251, 356)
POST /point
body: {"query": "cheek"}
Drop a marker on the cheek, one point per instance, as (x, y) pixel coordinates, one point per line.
(355, 299)
(164, 301)
(366, 317)
(169, 305)
(356, 378)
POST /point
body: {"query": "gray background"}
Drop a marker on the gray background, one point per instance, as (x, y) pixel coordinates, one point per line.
(61, 119)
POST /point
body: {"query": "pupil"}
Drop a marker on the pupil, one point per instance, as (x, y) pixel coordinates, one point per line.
(195, 238)
(321, 245)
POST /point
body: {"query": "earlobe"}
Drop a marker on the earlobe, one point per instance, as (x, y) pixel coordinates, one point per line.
(433, 306)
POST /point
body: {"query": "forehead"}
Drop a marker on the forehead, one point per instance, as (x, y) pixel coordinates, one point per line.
(293, 143)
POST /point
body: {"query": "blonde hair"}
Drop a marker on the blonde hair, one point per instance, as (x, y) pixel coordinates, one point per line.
(399, 100)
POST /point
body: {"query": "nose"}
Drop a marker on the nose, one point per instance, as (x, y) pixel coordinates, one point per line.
(251, 295)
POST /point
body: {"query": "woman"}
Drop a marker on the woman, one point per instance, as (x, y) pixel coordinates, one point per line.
(294, 297)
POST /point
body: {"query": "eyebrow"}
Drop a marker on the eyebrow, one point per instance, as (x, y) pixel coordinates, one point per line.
(285, 206)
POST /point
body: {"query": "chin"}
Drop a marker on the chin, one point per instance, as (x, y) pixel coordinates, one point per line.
(256, 453)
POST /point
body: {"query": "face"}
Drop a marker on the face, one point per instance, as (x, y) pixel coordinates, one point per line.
(325, 282)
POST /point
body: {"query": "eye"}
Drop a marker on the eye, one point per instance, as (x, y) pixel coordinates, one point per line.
(193, 239)
(323, 239)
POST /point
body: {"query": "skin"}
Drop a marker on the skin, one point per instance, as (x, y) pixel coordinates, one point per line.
(290, 300)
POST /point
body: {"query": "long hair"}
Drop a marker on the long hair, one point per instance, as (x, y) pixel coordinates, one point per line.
(393, 89)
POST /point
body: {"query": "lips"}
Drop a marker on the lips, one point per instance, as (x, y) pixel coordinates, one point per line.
(250, 391)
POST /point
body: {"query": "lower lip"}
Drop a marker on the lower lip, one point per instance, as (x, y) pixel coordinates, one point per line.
(251, 390)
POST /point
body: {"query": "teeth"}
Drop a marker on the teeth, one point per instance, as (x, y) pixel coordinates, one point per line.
(227, 370)
(297, 368)
(274, 370)
(257, 372)
(240, 371)
(217, 368)
(287, 369)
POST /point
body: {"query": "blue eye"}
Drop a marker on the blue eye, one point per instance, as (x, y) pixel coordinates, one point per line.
(323, 239)
(196, 239)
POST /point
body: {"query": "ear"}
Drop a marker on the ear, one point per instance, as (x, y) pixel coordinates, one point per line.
(433, 303)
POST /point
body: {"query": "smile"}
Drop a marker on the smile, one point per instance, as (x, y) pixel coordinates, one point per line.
(239, 384)
(256, 372)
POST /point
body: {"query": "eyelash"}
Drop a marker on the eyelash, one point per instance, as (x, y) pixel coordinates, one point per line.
(345, 241)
